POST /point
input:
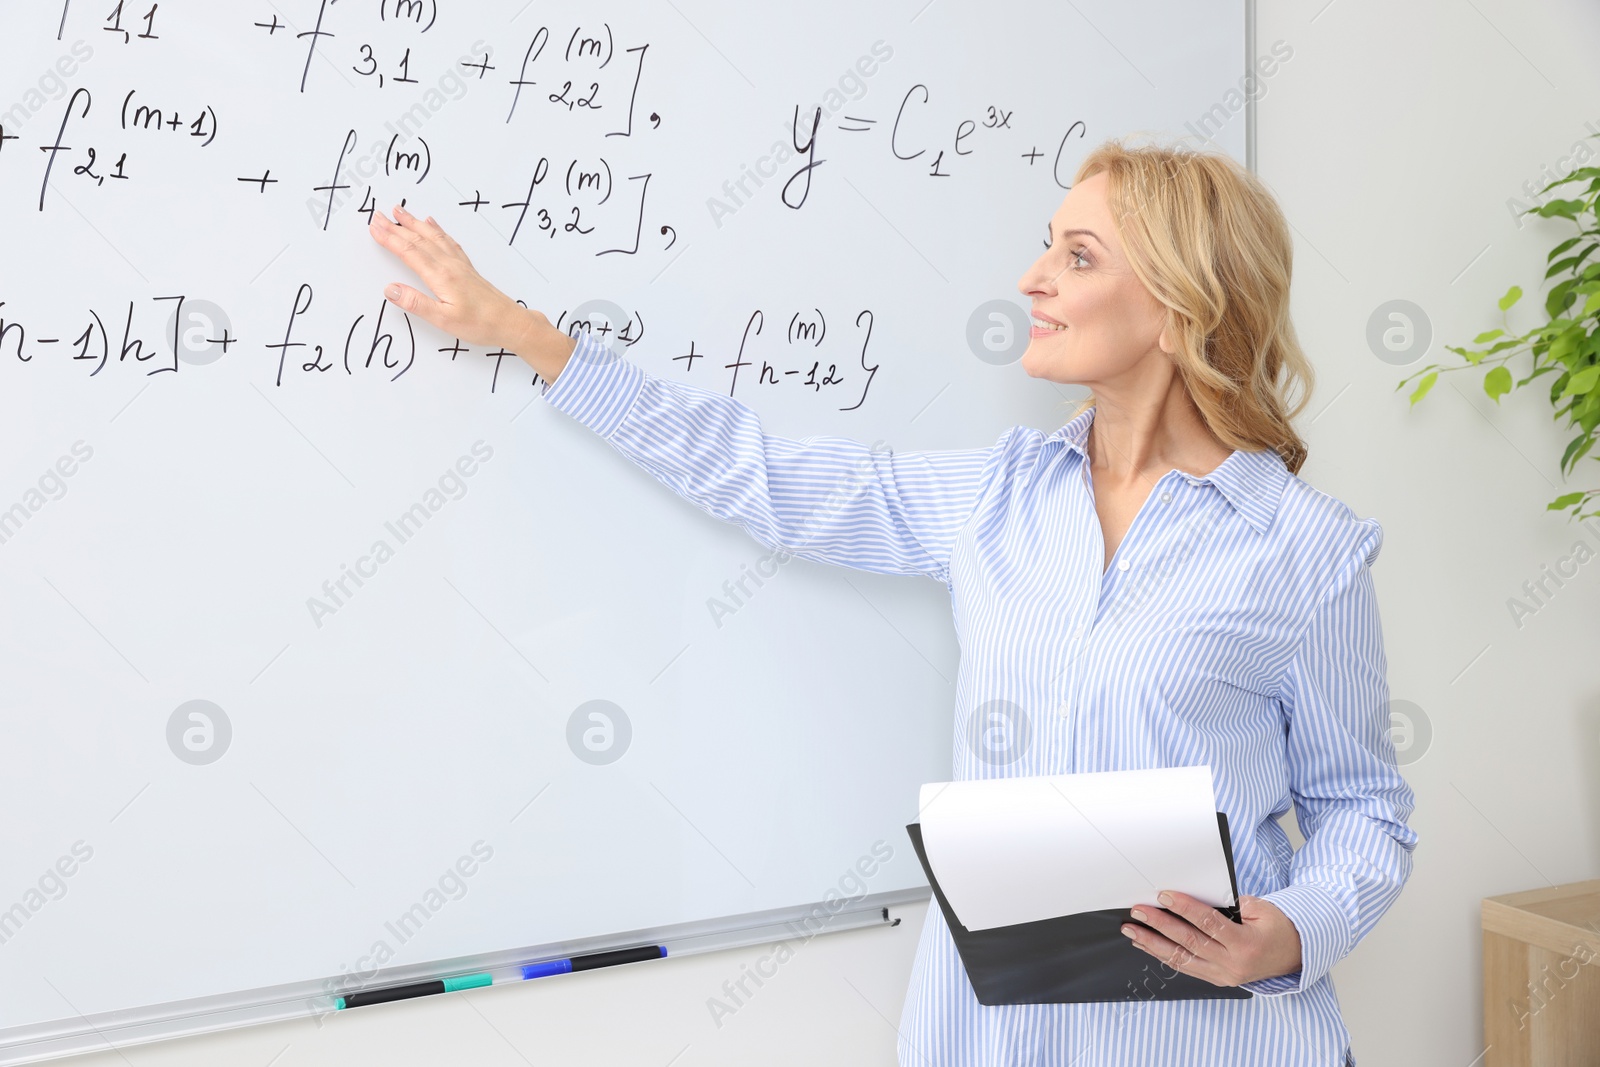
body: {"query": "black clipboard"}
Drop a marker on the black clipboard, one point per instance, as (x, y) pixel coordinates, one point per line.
(1072, 959)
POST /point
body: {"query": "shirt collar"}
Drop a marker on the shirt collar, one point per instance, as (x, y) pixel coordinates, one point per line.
(1252, 482)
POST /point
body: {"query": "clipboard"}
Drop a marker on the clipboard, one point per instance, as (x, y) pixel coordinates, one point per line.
(1072, 959)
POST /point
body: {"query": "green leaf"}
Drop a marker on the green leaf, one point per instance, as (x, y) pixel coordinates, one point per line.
(1546, 369)
(1564, 265)
(1564, 347)
(1513, 294)
(1565, 501)
(1497, 383)
(1591, 305)
(1414, 375)
(1583, 381)
(1571, 263)
(1577, 448)
(1476, 356)
(1566, 209)
(1487, 336)
(1575, 176)
(1559, 298)
(1424, 385)
(1562, 247)
(1588, 411)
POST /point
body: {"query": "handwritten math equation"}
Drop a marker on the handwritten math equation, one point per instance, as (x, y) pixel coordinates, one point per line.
(581, 76)
(791, 349)
(912, 137)
(584, 103)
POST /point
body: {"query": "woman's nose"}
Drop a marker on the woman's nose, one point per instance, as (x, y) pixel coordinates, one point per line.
(1036, 280)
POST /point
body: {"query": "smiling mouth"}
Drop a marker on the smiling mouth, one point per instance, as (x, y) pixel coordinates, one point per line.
(1042, 326)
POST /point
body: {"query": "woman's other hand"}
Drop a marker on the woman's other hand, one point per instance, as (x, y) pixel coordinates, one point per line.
(1199, 940)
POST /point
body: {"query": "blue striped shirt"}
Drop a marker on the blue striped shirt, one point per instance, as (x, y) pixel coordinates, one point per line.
(1236, 626)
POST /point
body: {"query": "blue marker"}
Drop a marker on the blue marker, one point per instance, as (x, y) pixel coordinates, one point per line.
(598, 959)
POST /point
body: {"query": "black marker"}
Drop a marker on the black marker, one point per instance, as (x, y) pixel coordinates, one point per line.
(416, 989)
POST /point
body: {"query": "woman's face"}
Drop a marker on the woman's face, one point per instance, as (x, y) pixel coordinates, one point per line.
(1094, 322)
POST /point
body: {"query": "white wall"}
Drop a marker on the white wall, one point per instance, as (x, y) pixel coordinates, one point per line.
(1393, 138)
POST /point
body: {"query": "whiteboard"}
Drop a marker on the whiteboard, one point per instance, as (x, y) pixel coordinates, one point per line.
(247, 748)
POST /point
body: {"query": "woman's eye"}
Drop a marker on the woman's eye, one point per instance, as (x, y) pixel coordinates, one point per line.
(1078, 257)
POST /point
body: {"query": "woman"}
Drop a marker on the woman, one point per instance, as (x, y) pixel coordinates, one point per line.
(1148, 586)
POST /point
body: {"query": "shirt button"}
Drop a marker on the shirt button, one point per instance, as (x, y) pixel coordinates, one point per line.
(1064, 710)
(1194, 481)
(1166, 498)
(1077, 631)
(1122, 564)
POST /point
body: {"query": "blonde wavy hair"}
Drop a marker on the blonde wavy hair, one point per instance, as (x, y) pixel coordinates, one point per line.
(1208, 240)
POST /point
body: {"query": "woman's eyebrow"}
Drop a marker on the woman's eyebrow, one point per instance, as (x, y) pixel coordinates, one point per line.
(1089, 233)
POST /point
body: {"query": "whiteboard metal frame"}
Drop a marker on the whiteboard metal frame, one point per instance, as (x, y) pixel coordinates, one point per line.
(302, 1000)
(1250, 98)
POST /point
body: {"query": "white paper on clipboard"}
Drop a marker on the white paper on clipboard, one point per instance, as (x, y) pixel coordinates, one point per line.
(1017, 850)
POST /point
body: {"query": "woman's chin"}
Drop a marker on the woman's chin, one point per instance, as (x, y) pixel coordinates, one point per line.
(1043, 359)
(1033, 360)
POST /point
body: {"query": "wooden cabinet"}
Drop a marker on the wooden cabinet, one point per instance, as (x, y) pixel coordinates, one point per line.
(1541, 977)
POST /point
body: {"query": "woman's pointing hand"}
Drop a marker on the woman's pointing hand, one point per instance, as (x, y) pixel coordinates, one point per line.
(463, 303)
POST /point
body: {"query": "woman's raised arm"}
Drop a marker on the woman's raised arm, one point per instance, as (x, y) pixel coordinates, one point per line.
(828, 499)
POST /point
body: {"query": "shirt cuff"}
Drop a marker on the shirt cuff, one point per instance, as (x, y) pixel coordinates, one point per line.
(597, 387)
(1324, 937)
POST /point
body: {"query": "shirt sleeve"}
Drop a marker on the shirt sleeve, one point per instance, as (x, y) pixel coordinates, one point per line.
(827, 499)
(1350, 800)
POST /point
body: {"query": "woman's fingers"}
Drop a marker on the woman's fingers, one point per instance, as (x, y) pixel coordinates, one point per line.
(424, 228)
(458, 300)
(423, 246)
(1208, 920)
(1199, 940)
(441, 243)
(416, 303)
(1181, 959)
(1178, 931)
(412, 249)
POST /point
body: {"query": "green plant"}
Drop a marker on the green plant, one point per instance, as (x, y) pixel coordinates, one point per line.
(1568, 345)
